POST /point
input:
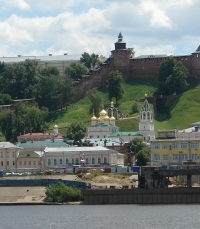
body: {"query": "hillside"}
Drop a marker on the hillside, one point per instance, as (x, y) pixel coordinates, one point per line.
(184, 109)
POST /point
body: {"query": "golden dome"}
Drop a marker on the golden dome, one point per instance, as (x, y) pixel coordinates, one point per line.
(103, 113)
(106, 118)
(94, 118)
(145, 95)
(55, 126)
(112, 118)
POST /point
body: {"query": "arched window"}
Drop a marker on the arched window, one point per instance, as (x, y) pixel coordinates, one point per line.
(60, 161)
(72, 160)
(148, 116)
(87, 160)
(105, 160)
(77, 161)
(93, 160)
(55, 162)
(99, 160)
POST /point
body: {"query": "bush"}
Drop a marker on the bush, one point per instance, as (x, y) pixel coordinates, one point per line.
(135, 108)
(60, 193)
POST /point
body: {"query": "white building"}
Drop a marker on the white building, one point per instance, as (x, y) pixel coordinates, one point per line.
(146, 124)
(89, 156)
(104, 126)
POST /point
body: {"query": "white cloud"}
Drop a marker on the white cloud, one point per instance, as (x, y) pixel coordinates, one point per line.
(21, 4)
(151, 26)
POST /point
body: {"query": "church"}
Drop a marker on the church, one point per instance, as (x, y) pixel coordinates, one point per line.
(103, 127)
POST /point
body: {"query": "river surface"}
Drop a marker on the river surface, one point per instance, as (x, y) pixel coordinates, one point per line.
(100, 216)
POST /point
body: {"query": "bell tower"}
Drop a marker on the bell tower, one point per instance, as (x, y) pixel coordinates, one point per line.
(146, 124)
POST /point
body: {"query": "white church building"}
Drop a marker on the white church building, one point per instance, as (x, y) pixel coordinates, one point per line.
(104, 126)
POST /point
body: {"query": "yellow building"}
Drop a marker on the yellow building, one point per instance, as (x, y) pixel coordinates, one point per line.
(174, 151)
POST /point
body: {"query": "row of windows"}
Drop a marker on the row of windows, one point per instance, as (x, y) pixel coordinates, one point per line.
(175, 157)
(7, 163)
(20, 163)
(7, 154)
(193, 145)
(76, 161)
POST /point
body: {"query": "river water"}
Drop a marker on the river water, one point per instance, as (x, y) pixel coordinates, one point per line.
(100, 216)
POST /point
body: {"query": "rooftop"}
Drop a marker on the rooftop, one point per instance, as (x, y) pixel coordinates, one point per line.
(45, 143)
(119, 134)
(7, 145)
(76, 149)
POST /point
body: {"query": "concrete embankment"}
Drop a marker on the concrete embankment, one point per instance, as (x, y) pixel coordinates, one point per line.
(142, 196)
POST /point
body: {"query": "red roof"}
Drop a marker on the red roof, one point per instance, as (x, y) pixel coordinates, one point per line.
(39, 135)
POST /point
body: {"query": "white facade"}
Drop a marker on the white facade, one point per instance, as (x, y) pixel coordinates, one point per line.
(93, 156)
(8, 155)
(146, 124)
(103, 126)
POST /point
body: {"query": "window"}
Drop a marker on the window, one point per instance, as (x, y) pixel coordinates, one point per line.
(164, 146)
(49, 161)
(1, 163)
(194, 157)
(105, 160)
(156, 157)
(67, 161)
(175, 157)
(165, 157)
(1, 154)
(29, 163)
(34, 163)
(156, 146)
(13, 163)
(7, 154)
(87, 160)
(174, 145)
(7, 162)
(13, 154)
(77, 161)
(60, 161)
(184, 157)
(93, 160)
(24, 162)
(20, 163)
(184, 145)
(55, 162)
(193, 145)
(99, 160)
(72, 160)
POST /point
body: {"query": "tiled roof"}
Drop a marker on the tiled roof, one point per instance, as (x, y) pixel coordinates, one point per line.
(25, 154)
(120, 134)
(76, 149)
(7, 145)
(45, 143)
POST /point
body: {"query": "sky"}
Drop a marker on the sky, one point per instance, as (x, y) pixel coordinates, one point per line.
(42, 27)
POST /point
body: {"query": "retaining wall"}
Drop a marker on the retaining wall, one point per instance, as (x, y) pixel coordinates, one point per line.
(142, 196)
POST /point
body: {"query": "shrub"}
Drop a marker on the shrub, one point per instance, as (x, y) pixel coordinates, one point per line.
(60, 193)
(135, 108)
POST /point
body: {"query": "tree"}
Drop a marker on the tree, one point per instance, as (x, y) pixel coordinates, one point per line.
(143, 157)
(96, 101)
(115, 87)
(89, 60)
(19, 79)
(49, 71)
(140, 150)
(172, 77)
(76, 131)
(131, 51)
(54, 92)
(75, 70)
(24, 118)
(5, 99)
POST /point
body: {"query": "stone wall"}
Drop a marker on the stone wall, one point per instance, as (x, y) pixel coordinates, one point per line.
(142, 196)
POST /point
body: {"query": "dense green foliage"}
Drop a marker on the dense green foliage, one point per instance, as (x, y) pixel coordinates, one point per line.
(88, 60)
(24, 118)
(5, 99)
(54, 92)
(75, 71)
(115, 87)
(76, 131)
(140, 150)
(172, 77)
(60, 193)
(96, 101)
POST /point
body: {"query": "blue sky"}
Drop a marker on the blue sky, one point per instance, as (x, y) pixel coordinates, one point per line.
(40, 27)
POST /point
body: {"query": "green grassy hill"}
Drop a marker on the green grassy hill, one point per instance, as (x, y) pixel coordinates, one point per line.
(184, 110)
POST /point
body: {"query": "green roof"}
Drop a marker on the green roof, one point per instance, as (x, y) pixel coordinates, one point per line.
(195, 124)
(118, 134)
(45, 143)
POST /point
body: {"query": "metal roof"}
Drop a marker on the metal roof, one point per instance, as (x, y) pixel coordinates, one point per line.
(120, 134)
(76, 149)
(7, 145)
(45, 143)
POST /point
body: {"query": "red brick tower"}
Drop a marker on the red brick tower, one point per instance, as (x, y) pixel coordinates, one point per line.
(121, 57)
(196, 63)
